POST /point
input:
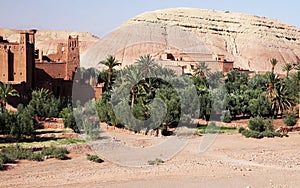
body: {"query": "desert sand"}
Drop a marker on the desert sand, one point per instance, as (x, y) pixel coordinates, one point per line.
(231, 161)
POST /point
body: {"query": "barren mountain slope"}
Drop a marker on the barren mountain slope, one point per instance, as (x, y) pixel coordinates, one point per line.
(47, 40)
(249, 40)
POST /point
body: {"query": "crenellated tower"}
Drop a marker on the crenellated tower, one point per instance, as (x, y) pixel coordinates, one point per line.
(73, 57)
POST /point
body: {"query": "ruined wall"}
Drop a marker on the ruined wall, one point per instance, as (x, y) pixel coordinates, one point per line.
(61, 53)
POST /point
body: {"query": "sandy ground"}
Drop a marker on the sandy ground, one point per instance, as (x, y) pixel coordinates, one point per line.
(231, 161)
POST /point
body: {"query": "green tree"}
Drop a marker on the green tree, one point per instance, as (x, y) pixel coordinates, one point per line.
(281, 99)
(202, 70)
(146, 65)
(69, 119)
(21, 123)
(44, 104)
(6, 91)
(290, 119)
(287, 68)
(273, 62)
(260, 106)
(110, 62)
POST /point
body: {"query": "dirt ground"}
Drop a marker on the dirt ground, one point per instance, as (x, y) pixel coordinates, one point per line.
(231, 161)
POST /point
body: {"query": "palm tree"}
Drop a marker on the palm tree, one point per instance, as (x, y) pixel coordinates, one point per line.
(273, 63)
(6, 91)
(146, 65)
(131, 78)
(287, 67)
(110, 62)
(281, 100)
(271, 79)
(297, 67)
(202, 69)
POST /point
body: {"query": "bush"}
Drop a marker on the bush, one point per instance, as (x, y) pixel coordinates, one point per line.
(290, 119)
(258, 135)
(256, 124)
(53, 152)
(252, 134)
(226, 117)
(268, 124)
(241, 129)
(94, 158)
(1, 163)
(44, 104)
(271, 134)
(13, 153)
(17, 124)
(69, 119)
(155, 162)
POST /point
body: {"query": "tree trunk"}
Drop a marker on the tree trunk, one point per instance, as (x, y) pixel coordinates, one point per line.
(132, 101)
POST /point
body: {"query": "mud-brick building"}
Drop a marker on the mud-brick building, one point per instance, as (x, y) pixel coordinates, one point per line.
(17, 61)
(27, 68)
(56, 71)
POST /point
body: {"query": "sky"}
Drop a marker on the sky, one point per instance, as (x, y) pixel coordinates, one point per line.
(100, 17)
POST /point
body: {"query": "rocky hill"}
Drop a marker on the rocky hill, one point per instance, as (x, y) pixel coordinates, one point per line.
(248, 40)
(47, 40)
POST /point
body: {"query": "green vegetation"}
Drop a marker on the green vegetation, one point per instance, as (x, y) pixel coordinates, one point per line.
(226, 117)
(94, 158)
(155, 162)
(260, 128)
(147, 96)
(213, 129)
(6, 91)
(12, 153)
(47, 143)
(290, 119)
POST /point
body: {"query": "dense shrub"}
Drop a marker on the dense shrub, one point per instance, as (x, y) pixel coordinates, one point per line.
(271, 134)
(44, 104)
(256, 124)
(53, 152)
(94, 158)
(22, 124)
(268, 125)
(10, 154)
(241, 129)
(17, 124)
(260, 128)
(155, 162)
(251, 134)
(256, 134)
(226, 117)
(87, 119)
(1, 163)
(290, 119)
(69, 119)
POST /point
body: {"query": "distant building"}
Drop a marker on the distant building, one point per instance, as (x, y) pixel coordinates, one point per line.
(27, 68)
(56, 71)
(186, 63)
(17, 65)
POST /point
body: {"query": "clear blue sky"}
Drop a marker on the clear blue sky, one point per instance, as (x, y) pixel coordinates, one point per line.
(102, 16)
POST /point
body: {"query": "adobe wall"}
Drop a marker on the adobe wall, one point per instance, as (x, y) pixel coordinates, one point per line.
(3, 64)
(55, 70)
